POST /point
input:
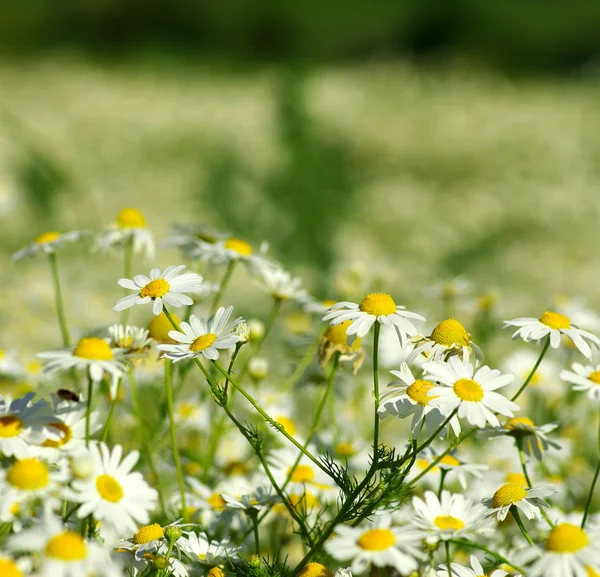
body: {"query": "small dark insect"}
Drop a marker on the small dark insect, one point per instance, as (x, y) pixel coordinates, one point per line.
(66, 395)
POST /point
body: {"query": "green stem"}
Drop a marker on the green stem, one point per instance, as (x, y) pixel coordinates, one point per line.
(111, 412)
(376, 330)
(127, 270)
(515, 513)
(527, 478)
(443, 474)
(448, 558)
(60, 311)
(223, 285)
(88, 411)
(593, 486)
(169, 393)
(489, 552)
(253, 516)
(535, 368)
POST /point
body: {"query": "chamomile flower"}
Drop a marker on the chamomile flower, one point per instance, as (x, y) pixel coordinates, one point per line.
(188, 237)
(9, 364)
(447, 338)
(280, 284)
(130, 339)
(112, 492)
(200, 548)
(335, 340)
(376, 543)
(147, 539)
(472, 392)
(167, 287)
(224, 251)
(409, 396)
(585, 379)
(10, 567)
(204, 337)
(257, 496)
(529, 500)
(553, 325)
(91, 353)
(375, 307)
(458, 469)
(476, 570)
(129, 226)
(191, 415)
(48, 243)
(451, 517)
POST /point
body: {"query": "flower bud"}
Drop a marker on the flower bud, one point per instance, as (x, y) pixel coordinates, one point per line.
(257, 329)
(258, 368)
(172, 533)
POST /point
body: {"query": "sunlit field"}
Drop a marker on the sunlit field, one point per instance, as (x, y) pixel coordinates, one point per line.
(340, 321)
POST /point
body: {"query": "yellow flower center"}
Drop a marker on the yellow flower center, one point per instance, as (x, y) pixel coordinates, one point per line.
(450, 461)
(14, 509)
(203, 342)
(450, 332)
(327, 303)
(378, 304)
(590, 571)
(468, 390)
(28, 475)
(344, 449)
(47, 237)
(10, 426)
(67, 546)
(159, 328)
(517, 422)
(508, 494)
(216, 572)
(8, 568)
(131, 218)
(148, 533)
(315, 570)
(418, 392)
(448, 522)
(109, 488)
(566, 538)
(287, 424)
(156, 288)
(302, 474)
(193, 468)
(239, 246)
(376, 540)
(424, 464)
(236, 468)
(516, 479)
(595, 377)
(67, 435)
(186, 410)
(94, 349)
(337, 335)
(217, 502)
(555, 320)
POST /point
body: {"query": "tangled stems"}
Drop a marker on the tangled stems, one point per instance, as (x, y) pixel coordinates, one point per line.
(593, 486)
(223, 285)
(128, 254)
(60, 311)
(169, 393)
(376, 330)
(489, 552)
(535, 368)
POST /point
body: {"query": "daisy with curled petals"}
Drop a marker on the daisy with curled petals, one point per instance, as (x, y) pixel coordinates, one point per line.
(472, 393)
(204, 337)
(476, 570)
(112, 493)
(167, 287)
(409, 396)
(451, 517)
(553, 325)
(584, 378)
(378, 544)
(375, 307)
(529, 500)
(62, 552)
(48, 243)
(129, 227)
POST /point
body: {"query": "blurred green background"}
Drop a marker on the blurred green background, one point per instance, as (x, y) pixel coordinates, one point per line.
(408, 142)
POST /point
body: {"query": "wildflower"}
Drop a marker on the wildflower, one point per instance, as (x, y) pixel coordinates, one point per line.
(200, 548)
(202, 337)
(189, 238)
(167, 287)
(378, 544)
(473, 393)
(48, 243)
(476, 570)
(224, 251)
(191, 415)
(280, 284)
(112, 492)
(160, 327)
(553, 324)
(528, 500)
(335, 340)
(458, 469)
(375, 307)
(315, 570)
(9, 365)
(258, 368)
(258, 497)
(148, 539)
(584, 378)
(130, 339)
(129, 226)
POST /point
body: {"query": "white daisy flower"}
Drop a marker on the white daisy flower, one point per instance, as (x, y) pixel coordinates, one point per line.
(375, 307)
(343, 572)
(529, 500)
(584, 378)
(112, 492)
(9, 364)
(148, 539)
(129, 339)
(257, 496)
(10, 567)
(457, 469)
(129, 226)
(473, 393)
(281, 285)
(451, 517)
(202, 337)
(520, 363)
(476, 570)
(224, 251)
(378, 544)
(62, 552)
(409, 396)
(200, 548)
(91, 353)
(167, 287)
(192, 415)
(553, 324)
(188, 237)
(48, 243)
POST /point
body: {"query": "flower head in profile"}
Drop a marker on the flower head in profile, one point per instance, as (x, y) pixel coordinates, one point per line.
(553, 325)
(584, 379)
(280, 284)
(335, 340)
(129, 227)
(167, 287)
(375, 307)
(227, 250)
(48, 243)
(204, 337)
(529, 500)
(131, 340)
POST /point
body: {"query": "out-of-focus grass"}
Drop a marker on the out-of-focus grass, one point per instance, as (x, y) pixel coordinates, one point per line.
(419, 175)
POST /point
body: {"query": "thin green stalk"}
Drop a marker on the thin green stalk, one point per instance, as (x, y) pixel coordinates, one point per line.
(111, 412)
(60, 311)
(127, 271)
(448, 558)
(443, 474)
(535, 368)
(489, 552)
(171, 412)
(376, 330)
(256, 535)
(593, 486)
(223, 285)
(88, 412)
(515, 513)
